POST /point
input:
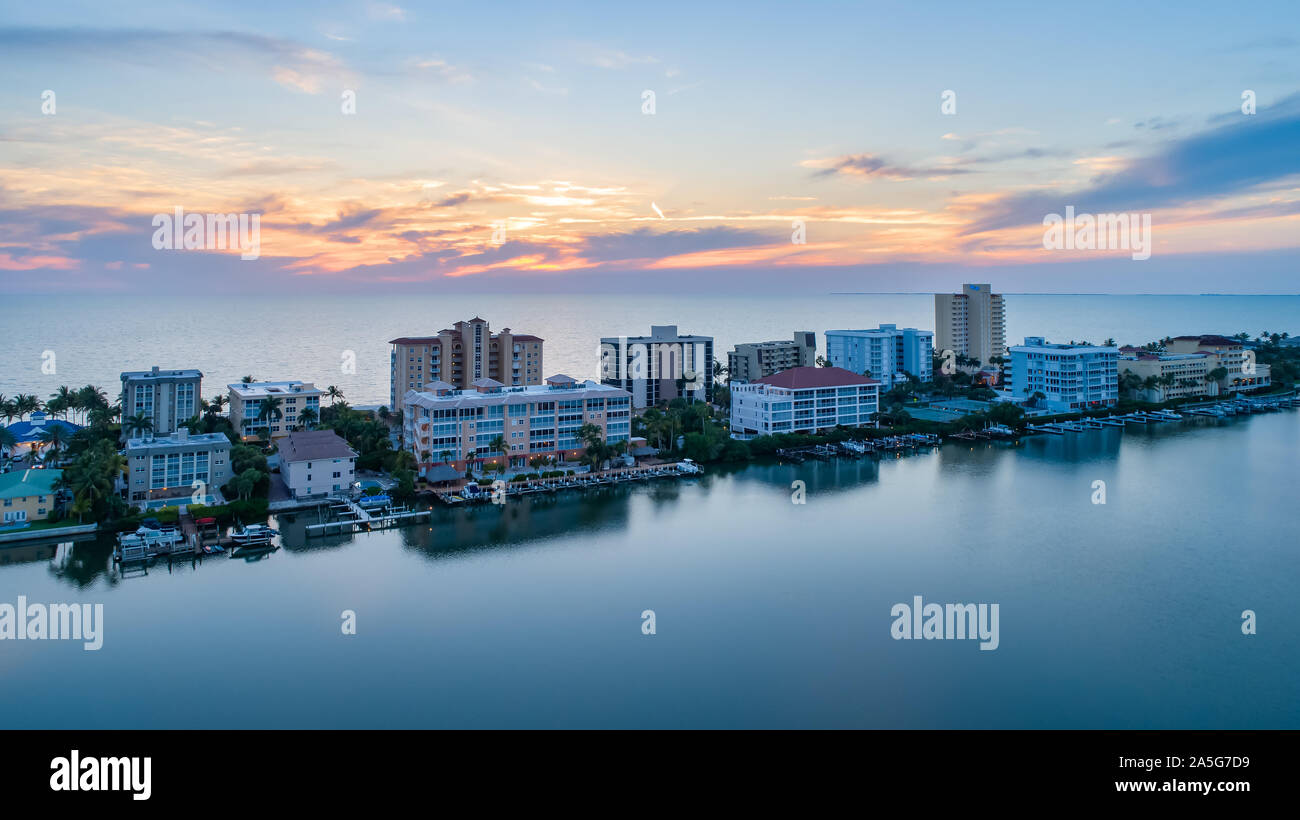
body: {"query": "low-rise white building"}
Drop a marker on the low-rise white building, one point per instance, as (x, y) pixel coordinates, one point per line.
(317, 463)
(803, 400)
(1072, 377)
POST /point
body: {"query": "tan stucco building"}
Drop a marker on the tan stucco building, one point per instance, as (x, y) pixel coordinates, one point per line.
(461, 354)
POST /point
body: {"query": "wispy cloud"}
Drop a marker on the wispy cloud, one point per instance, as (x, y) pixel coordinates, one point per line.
(866, 166)
(1248, 152)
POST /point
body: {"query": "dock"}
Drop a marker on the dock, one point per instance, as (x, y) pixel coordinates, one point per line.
(474, 494)
(347, 516)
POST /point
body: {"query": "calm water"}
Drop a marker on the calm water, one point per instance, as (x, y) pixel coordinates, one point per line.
(768, 613)
(95, 338)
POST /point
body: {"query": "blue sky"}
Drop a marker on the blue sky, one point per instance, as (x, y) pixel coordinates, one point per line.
(470, 117)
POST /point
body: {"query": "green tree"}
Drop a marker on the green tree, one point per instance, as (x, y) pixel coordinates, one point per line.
(269, 413)
(138, 424)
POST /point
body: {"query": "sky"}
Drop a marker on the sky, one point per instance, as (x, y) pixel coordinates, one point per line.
(823, 147)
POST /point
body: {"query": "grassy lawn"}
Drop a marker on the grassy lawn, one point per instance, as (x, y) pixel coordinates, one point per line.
(37, 526)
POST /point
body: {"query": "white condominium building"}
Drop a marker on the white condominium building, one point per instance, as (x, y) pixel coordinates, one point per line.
(1073, 377)
(803, 400)
(886, 353)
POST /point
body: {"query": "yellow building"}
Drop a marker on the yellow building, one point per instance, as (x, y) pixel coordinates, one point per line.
(27, 495)
(1243, 372)
(1171, 375)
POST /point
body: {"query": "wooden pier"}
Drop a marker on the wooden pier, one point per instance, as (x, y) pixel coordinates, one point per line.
(351, 517)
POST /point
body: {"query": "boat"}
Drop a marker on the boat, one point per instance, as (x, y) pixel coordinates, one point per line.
(374, 500)
(253, 534)
(689, 467)
(148, 536)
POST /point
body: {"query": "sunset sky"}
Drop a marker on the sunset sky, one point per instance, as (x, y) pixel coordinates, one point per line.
(475, 115)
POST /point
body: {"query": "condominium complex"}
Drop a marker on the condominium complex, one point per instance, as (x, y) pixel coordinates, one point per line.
(247, 399)
(166, 467)
(1243, 373)
(317, 463)
(491, 422)
(462, 354)
(166, 397)
(1168, 376)
(886, 353)
(1072, 377)
(803, 400)
(971, 323)
(754, 360)
(660, 367)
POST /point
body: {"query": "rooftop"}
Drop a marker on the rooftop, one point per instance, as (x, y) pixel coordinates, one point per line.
(511, 395)
(20, 484)
(314, 445)
(1212, 339)
(803, 378)
(883, 330)
(180, 438)
(658, 333)
(257, 390)
(156, 373)
(30, 430)
(1040, 343)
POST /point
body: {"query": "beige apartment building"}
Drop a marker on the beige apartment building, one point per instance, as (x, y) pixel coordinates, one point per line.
(750, 361)
(510, 426)
(246, 399)
(1171, 375)
(462, 354)
(1243, 372)
(971, 323)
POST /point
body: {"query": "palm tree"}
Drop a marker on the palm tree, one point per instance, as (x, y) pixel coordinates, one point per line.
(7, 439)
(269, 412)
(445, 455)
(217, 403)
(247, 380)
(66, 398)
(139, 423)
(26, 403)
(307, 418)
(54, 436)
(245, 482)
(334, 393)
(497, 444)
(90, 397)
(193, 424)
